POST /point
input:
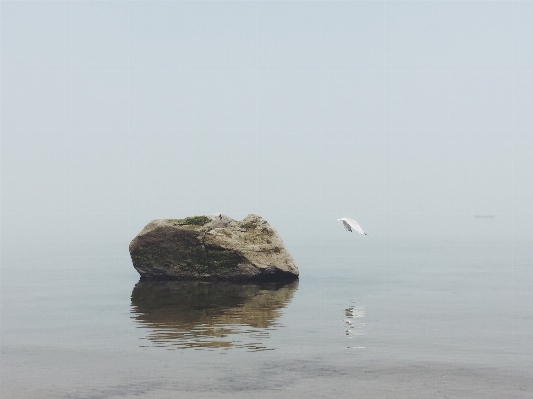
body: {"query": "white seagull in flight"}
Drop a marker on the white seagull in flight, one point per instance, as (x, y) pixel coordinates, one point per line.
(350, 224)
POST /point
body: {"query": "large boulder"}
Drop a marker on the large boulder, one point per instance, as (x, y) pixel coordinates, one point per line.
(211, 248)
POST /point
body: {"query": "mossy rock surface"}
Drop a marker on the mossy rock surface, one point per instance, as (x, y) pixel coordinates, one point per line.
(212, 247)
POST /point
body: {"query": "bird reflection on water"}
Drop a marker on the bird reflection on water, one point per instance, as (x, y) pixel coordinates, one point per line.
(210, 315)
(354, 323)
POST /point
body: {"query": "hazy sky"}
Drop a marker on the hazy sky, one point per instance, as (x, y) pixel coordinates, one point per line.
(410, 117)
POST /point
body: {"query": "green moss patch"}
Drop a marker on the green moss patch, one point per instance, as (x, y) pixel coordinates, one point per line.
(266, 231)
(190, 221)
(218, 259)
(250, 225)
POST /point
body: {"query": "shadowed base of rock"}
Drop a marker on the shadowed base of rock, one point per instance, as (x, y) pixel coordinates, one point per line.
(266, 276)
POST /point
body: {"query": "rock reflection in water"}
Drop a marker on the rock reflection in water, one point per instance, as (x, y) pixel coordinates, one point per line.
(208, 315)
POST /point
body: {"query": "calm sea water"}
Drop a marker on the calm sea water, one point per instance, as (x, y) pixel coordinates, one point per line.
(396, 320)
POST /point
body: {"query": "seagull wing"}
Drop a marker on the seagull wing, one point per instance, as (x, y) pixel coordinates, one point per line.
(354, 225)
(346, 225)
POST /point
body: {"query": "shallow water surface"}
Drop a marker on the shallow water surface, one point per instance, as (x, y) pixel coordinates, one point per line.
(401, 321)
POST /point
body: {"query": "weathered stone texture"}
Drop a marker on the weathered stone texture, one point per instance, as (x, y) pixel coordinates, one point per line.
(211, 247)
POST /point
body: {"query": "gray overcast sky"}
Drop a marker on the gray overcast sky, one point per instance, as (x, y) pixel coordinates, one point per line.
(410, 117)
